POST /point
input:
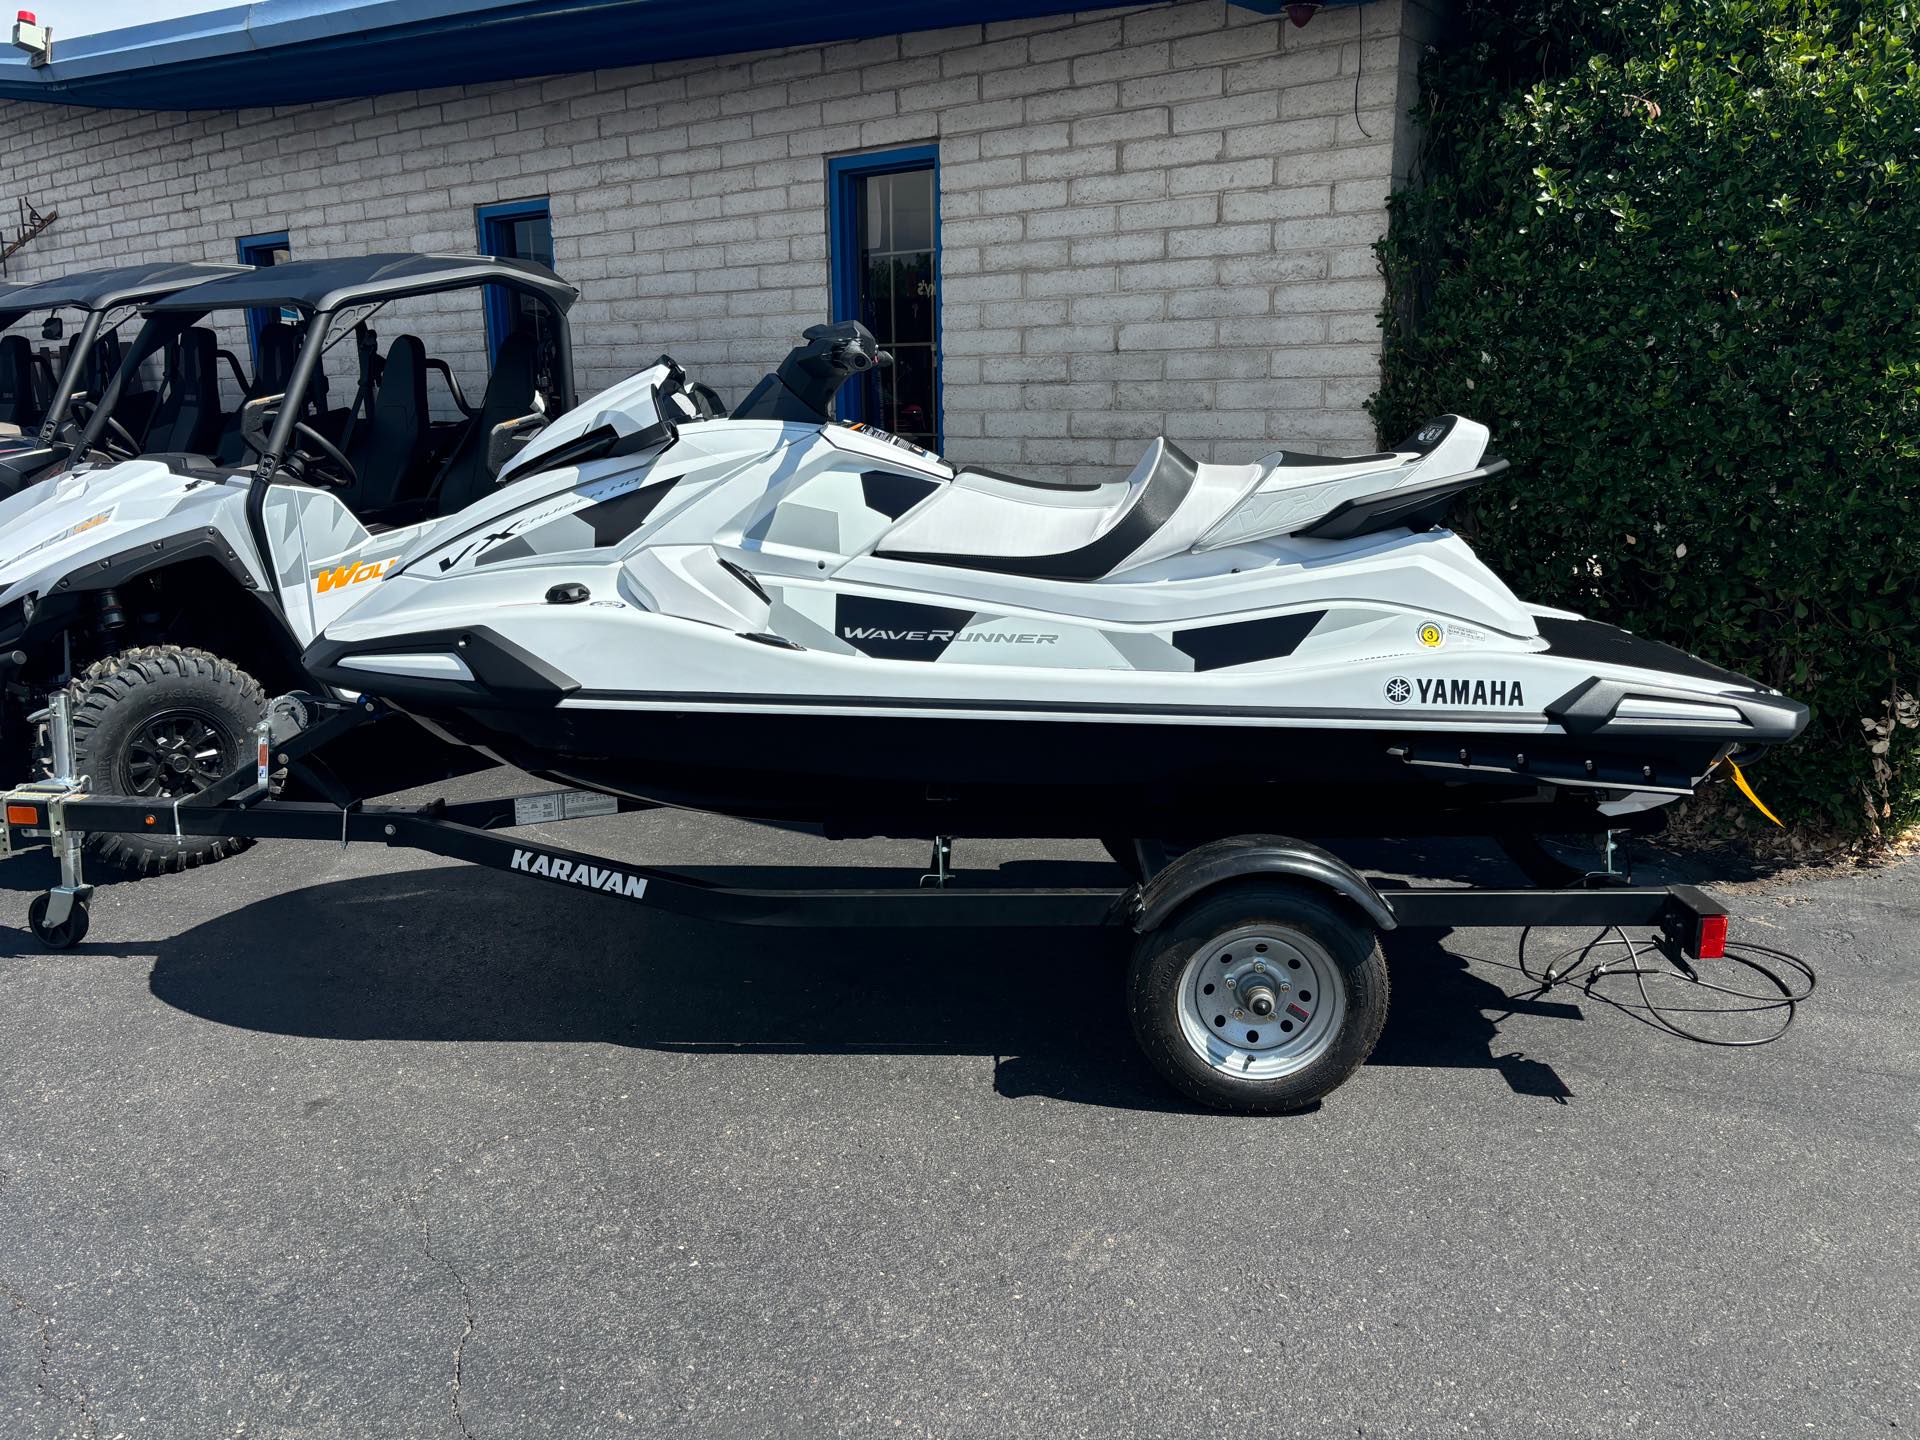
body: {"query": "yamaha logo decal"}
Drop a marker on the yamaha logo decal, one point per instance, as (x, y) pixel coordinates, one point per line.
(1455, 691)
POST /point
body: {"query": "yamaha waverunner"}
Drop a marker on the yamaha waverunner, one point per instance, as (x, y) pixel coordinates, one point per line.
(776, 615)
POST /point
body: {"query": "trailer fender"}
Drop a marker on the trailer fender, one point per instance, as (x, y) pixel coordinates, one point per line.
(1242, 857)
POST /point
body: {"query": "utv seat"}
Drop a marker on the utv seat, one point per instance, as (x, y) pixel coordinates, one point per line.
(390, 445)
(188, 418)
(19, 396)
(272, 369)
(509, 396)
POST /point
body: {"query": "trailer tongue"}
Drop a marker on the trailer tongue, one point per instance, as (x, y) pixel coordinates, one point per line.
(1256, 982)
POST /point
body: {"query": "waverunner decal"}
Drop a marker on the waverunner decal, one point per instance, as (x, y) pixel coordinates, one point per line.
(569, 872)
(858, 633)
(1455, 691)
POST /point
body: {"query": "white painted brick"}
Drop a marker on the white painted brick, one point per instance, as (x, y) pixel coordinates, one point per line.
(1105, 249)
(1172, 151)
(1058, 164)
(1167, 88)
(1121, 64)
(1230, 175)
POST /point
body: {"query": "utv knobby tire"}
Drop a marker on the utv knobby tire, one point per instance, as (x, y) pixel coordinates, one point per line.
(116, 698)
(1160, 962)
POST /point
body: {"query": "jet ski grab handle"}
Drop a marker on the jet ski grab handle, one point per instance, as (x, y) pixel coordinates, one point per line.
(802, 389)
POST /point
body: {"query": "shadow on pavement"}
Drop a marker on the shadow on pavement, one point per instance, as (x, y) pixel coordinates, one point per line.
(455, 955)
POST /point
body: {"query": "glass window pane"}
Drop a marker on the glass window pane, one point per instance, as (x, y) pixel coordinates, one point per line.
(895, 272)
(913, 210)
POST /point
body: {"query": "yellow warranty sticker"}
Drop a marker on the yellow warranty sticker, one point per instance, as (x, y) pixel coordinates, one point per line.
(1431, 635)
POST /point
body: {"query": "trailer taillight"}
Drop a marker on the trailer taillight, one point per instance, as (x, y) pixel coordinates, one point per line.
(1710, 938)
(23, 815)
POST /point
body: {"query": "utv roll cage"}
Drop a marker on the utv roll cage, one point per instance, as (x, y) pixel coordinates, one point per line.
(324, 292)
(97, 294)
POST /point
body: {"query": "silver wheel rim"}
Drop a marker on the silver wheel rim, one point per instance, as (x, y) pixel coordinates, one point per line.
(1233, 973)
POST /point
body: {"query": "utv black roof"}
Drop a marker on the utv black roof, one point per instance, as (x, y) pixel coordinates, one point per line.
(103, 289)
(327, 285)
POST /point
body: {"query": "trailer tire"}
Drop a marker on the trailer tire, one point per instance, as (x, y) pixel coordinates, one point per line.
(1196, 983)
(162, 695)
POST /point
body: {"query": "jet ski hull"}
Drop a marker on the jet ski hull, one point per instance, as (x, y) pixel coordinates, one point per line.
(855, 774)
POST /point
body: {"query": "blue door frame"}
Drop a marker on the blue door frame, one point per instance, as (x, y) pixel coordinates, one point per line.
(492, 221)
(258, 250)
(844, 177)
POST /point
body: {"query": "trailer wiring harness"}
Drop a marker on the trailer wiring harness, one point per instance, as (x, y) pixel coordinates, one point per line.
(1786, 982)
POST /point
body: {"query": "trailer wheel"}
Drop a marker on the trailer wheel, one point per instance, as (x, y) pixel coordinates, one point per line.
(1258, 998)
(160, 722)
(64, 936)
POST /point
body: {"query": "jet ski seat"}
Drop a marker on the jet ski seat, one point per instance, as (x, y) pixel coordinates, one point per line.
(19, 397)
(1010, 526)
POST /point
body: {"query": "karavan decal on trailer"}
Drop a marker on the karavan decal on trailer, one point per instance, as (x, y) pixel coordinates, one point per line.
(568, 872)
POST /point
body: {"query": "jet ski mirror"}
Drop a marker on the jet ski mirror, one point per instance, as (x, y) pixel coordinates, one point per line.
(510, 437)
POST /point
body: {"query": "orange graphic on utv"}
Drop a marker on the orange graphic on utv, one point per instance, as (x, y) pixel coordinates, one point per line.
(352, 574)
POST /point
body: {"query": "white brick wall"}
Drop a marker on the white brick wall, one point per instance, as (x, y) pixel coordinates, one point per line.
(1153, 220)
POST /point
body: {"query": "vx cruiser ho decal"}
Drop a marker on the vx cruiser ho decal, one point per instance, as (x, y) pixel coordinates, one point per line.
(1455, 691)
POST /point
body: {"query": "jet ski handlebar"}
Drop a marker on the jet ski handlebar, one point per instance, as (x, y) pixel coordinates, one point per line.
(802, 389)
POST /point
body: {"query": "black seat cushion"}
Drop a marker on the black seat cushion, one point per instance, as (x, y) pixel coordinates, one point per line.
(274, 352)
(188, 418)
(509, 396)
(273, 356)
(103, 360)
(390, 445)
(19, 400)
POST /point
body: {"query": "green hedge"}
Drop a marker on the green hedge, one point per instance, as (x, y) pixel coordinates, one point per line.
(1671, 254)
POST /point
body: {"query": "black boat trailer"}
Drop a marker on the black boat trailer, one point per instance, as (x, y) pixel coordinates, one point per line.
(1256, 982)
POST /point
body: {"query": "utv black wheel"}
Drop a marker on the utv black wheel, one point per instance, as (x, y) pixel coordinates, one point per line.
(159, 723)
(1258, 998)
(64, 936)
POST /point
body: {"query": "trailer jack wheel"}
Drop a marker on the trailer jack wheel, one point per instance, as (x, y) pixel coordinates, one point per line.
(1258, 998)
(68, 933)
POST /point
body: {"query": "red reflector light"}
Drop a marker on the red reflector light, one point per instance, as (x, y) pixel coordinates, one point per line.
(1711, 941)
(26, 18)
(22, 815)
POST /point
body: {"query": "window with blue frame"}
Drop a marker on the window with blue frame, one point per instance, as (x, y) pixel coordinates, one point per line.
(264, 250)
(516, 230)
(884, 225)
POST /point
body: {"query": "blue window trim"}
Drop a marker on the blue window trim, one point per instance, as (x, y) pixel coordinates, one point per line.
(485, 217)
(246, 248)
(844, 175)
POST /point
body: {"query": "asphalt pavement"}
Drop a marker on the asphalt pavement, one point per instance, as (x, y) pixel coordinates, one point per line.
(327, 1143)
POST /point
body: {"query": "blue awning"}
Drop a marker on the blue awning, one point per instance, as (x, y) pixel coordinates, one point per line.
(282, 52)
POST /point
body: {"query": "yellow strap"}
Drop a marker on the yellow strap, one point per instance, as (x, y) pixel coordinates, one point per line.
(1740, 780)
